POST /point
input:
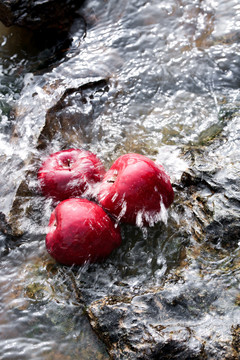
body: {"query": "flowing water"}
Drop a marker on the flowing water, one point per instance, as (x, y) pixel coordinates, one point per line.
(153, 77)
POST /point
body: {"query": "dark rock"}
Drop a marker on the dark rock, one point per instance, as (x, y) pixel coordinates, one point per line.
(226, 231)
(68, 113)
(5, 227)
(75, 111)
(7, 238)
(157, 326)
(37, 14)
(172, 322)
(172, 291)
(149, 321)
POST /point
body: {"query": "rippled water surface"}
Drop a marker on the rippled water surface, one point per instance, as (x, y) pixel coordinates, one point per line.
(171, 72)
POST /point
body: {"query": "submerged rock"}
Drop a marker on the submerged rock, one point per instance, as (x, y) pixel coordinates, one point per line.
(75, 111)
(168, 323)
(195, 313)
(156, 296)
(172, 291)
(37, 14)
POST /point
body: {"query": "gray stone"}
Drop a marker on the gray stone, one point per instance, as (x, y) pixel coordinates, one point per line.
(172, 291)
(195, 313)
(165, 324)
(169, 320)
(27, 203)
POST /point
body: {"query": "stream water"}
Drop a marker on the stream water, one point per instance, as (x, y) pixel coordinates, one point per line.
(170, 73)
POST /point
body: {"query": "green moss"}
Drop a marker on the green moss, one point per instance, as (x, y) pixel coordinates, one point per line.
(225, 114)
(210, 134)
(35, 291)
(228, 113)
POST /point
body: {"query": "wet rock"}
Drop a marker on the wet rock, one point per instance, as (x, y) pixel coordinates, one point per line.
(172, 291)
(214, 180)
(26, 204)
(5, 227)
(172, 321)
(189, 261)
(40, 294)
(159, 325)
(37, 14)
(69, 122)
(136, 330)
(226, 231)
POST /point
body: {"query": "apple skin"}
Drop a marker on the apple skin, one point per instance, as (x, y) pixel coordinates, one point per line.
(134, 189)
(80, 231)
(70, 173)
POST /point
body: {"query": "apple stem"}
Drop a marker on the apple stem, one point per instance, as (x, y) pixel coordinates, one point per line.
(69, 163)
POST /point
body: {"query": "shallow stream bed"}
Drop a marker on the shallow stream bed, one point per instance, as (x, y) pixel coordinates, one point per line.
(157, 78)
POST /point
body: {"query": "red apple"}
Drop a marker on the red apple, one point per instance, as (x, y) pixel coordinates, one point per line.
(136, 190)
(80, 231)
(70, 173)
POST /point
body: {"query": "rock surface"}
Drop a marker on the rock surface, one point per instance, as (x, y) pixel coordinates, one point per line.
(68, 112)
(161, 325)
(173, 321)
(172, 291)
(167, 318)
